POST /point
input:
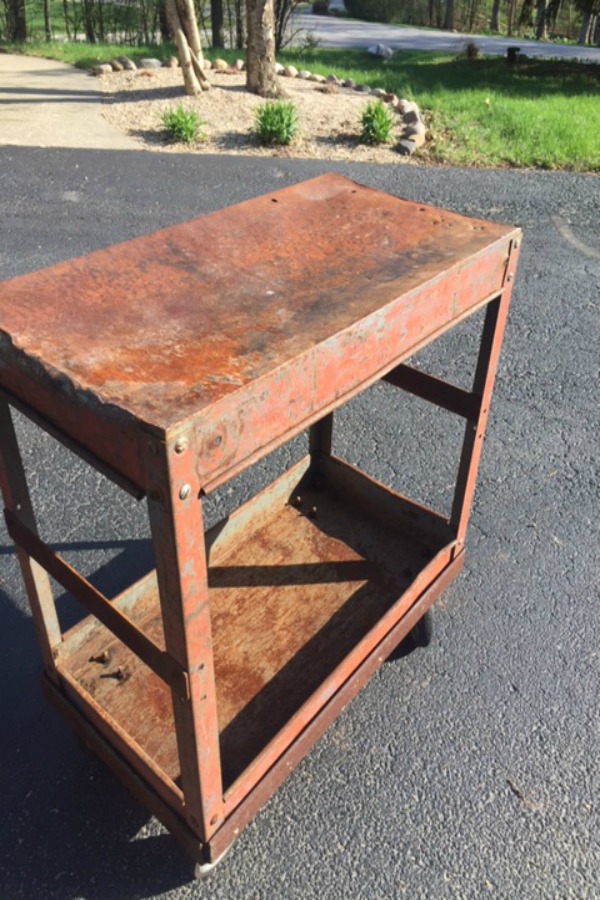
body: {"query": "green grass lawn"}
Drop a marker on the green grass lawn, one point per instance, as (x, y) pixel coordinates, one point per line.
(481, 112)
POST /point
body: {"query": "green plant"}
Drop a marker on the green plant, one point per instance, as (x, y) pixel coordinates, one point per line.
(183, 124)
(376, 123)
(471, 50)
(276, 122)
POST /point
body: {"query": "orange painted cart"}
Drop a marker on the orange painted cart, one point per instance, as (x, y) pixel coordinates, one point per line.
(171, 363)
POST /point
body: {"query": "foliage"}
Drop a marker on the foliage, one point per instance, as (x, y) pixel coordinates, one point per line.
(376, 123)
(276, 122)
(310, 41)
(320, 7)
(183, 124)
(373, 10)
(133, 22)
(284, 32)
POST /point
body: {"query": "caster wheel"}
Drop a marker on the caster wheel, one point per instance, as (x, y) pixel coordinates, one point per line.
(422, 632)
(203, 870)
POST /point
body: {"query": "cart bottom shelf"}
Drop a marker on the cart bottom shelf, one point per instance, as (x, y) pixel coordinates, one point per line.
(290, 601)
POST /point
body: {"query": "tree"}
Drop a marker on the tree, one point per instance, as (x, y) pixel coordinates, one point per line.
(449, 20)
(182, 20)
(261, 77)
(216, 21)
(540, 20)
(16, 26)
(590, 11)
(494, 18)
(284, 10)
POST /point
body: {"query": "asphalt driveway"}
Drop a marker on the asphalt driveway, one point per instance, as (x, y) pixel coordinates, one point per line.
(466, 770)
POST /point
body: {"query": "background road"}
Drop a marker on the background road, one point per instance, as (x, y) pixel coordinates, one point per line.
(351, 33)
(466, 770)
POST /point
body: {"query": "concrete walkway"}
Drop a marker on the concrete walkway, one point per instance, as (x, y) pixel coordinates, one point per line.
(44, 103)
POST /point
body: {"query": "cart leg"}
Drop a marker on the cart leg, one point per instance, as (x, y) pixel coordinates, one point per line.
(320, 438)
(17, 500)
(487, 361)
(178, 540)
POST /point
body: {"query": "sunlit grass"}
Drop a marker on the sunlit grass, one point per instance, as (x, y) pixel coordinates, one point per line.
(483, 112)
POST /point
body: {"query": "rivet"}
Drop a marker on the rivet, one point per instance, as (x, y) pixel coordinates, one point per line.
(214, 820)
(297, 501)
(509, 276)
(516, 245)
(181, 445)
(217, 440)
(313, 512)
(184, 491)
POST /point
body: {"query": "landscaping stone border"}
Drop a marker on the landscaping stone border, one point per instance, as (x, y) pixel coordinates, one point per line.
(413, 134)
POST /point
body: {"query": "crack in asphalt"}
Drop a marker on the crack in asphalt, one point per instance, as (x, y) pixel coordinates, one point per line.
(565, 230)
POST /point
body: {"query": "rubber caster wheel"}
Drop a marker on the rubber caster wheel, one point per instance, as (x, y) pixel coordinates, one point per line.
(421, 634)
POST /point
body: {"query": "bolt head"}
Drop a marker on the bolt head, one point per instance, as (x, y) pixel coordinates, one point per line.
(181, 445)
(184, 491)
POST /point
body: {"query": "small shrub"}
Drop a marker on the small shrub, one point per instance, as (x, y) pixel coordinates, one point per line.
(471, 50)
(320, 7)
(310, 41)
(376, 123)
(183, 124)
(276, 122)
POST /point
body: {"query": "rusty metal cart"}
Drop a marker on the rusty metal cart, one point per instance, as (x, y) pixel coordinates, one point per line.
(171, 363)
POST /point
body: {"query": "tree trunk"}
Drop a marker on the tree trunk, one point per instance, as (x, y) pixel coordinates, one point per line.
(66, 15)
(449, 20)
(494, 17)
(165, 28)
(240, 25)
(47, 30)
(584, 31)
(261, 78)
(216, 19)
(88, 22)
(540, 22)
(16, 27)
(182, 20)
(511, 17)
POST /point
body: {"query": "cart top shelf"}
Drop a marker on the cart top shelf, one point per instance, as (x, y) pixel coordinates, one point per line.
(291, 299)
